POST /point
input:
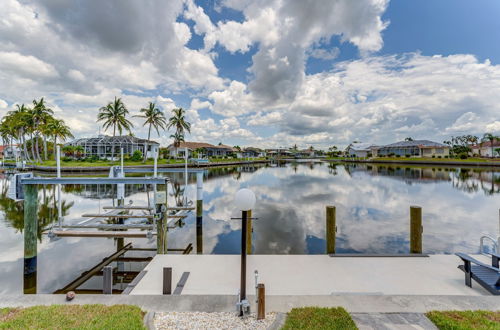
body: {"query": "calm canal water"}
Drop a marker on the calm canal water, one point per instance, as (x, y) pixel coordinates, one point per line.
(459, 205)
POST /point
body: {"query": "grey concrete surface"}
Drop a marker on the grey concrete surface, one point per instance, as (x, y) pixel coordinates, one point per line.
(312, 275)
(392, 321)
(283, 304)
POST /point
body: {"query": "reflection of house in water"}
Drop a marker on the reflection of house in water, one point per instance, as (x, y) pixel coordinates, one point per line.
(99, 191)
(465, 179)
(408, 174)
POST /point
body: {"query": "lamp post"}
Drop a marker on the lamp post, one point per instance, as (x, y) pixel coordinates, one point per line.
(245, 201)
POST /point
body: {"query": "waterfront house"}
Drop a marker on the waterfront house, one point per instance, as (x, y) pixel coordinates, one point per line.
(279, 152)
(416, 148)
(251, 152)
(12, 151)
(361, 150)
(201, 148)
(484, 149)
(104, 146)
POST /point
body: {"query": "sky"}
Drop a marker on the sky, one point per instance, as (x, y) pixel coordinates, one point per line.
(265, 73)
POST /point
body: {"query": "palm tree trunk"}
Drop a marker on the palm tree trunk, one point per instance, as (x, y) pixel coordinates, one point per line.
(32, 148)
(45, 147)
(37, 148)
(112, 145)
(25, 148)
(55, 147)
(146, 145)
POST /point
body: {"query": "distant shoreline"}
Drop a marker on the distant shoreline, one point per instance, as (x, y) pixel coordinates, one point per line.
(419, 162)
(94, 169)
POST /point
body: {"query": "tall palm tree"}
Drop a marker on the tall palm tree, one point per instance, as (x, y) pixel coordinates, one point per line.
(114, 114)
(178, 138)
(178, 121)
(490, 137)
(57, 128)
(154, 117)
(19, 117)
(40, 114)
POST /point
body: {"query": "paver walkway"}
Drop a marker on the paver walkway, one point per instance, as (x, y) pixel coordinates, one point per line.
(392, 321)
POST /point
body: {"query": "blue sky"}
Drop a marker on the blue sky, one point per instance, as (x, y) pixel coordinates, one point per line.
(261, 72)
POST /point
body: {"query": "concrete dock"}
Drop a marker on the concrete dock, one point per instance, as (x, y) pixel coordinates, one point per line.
(316, 275)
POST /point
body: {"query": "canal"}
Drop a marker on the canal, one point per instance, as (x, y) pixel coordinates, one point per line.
(372, 201)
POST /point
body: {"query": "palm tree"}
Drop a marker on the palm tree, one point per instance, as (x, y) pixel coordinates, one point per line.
(178, 138)
(154, 117)
(489, 137)
(40, 115)
(20, 117)
(114, 114)
(57, 128)
(179, 122)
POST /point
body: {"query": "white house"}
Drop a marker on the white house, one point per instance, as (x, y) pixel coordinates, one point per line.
(361, 150)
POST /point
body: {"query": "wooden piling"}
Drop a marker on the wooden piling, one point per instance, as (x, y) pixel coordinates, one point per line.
(199, 213)
(107, 280)
(331, 229)
(416, 229)
(30, 237)
(167, 280)
(249, 232)
(161, 222)
(261, 301)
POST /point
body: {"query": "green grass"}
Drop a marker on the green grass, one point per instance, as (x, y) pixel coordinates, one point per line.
(318, 318)
(454, 320)
(72, 317)
(429, 159)
(97, 163)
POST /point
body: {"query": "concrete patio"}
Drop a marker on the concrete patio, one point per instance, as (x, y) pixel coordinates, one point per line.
(317, 275)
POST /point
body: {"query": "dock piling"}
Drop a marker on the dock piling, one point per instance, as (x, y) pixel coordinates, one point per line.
(261, 301)
(107, 278)
(30, 238)
(167, 280)
(161, 220)
(416, 229)
(199, 213)
(331, 229)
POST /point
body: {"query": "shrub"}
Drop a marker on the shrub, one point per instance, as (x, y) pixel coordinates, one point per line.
(66, 159)
(398, 156)
(439, 157)
(136, 156)
(463, 156)
(407, 156)
(433, 156)
(446, 156)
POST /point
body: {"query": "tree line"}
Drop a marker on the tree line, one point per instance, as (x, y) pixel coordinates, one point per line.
(37, 130)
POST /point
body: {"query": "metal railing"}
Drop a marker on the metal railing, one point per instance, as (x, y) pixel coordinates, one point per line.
(481, 244)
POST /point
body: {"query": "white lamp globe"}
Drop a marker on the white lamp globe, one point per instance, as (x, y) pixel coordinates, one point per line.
(244, 199)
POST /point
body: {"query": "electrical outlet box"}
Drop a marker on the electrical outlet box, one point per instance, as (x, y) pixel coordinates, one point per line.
(160, 197)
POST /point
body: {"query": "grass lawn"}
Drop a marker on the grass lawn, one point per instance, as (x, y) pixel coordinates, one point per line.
(97, 163)
(72, 317)
(319, 318)
(428, 159)
(465, 320)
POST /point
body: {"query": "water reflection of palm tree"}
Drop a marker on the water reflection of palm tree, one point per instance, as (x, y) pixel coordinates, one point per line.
(332, 169)
(178, 193)
(47, 210)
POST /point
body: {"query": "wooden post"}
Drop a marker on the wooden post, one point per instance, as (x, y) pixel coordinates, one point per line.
(167, 280)
(199, 213)
(30, 237)
(107, 280)
(161, 223)
(249, 232)
(261, 301)
(331, 229)
(416, 229)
